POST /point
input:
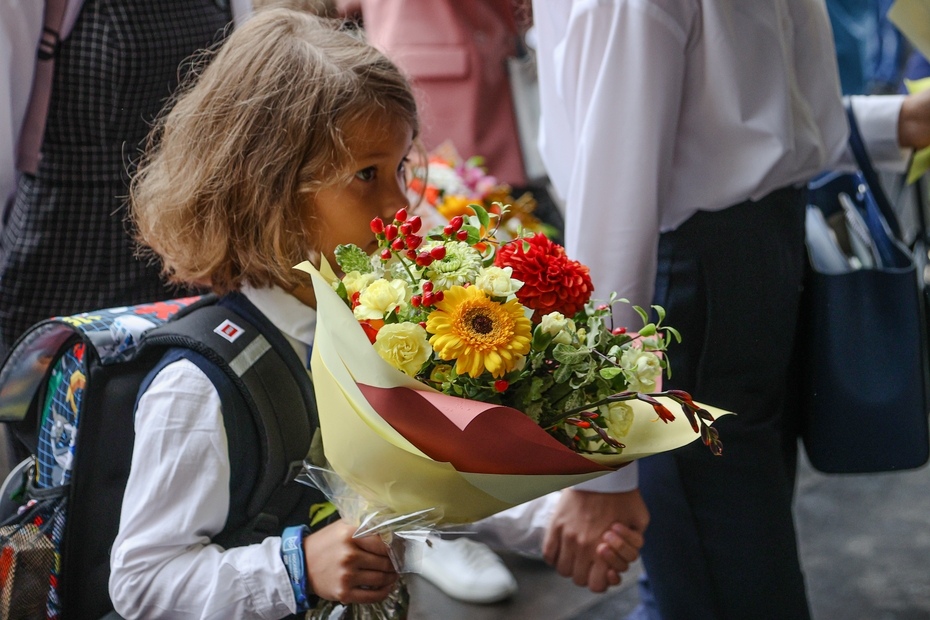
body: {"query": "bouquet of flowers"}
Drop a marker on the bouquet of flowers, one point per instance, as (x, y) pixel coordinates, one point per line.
(450, 184)
(457, 377)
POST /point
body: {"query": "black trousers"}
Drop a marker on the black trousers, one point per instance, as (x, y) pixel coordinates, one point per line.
(721, 544)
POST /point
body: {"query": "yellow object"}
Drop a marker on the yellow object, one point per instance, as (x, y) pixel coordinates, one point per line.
(912, 17)
(318, 512)
(478, 332)
(921, 160)
(389, 471)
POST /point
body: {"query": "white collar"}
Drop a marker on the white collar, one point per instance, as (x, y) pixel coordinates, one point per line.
(285, 312)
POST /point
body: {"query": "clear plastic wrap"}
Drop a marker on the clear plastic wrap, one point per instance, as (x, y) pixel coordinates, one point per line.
(403, 534)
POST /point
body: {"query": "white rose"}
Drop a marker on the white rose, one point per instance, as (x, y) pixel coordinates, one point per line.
(404, 346)
(380, 299)
(644, 368)
(356, 282)
(497, 282)
(619, 418)
(560, 328)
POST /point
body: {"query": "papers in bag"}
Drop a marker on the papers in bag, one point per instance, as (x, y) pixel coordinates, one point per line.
(855, 237)
(403, 445)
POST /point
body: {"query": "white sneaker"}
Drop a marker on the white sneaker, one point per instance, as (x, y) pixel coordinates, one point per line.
(468, 571)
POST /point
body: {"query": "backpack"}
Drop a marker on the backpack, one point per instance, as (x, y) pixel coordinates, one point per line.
(70, 386)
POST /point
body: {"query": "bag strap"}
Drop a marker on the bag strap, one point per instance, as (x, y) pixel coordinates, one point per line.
(277, 397)
(857, 145)
(60, 16)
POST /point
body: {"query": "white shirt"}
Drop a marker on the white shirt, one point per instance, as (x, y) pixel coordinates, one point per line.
(163, 564)
(655, 109)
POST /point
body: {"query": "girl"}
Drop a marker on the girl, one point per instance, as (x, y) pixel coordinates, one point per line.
(290, 142)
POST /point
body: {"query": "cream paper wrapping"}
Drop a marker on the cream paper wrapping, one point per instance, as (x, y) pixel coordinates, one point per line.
(386, 469)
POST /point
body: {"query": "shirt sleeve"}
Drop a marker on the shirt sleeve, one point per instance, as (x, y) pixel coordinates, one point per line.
(620, 71)
(877, 117)
(620, 481)
(163, 563)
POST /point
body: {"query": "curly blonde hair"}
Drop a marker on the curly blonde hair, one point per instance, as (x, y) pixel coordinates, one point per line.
(221, 191)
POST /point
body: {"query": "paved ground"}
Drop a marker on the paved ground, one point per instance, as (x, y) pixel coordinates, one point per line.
(865, 547)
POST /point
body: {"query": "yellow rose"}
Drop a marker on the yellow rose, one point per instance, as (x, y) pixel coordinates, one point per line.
(556, 325)
(498, 282)
(356, 282)
(380, 299)
(404, 346)
(619, 418)
(644, 368)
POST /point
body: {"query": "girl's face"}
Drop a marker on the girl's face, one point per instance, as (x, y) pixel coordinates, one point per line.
(342, 214)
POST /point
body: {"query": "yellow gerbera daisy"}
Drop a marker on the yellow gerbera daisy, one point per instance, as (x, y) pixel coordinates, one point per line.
(479, 333)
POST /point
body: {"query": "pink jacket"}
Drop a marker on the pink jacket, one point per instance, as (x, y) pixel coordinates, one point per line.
(454, 53)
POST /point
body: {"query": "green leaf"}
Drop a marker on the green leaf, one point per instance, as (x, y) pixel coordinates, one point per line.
(576, 399)
(642, 313)
(610, 372)
(674, 332)
(391, 318)
(538, 385)
(352, 258)
(474, 235)
(567, 354)
(482, 214)
(660, 311)
(341, 290)
(533, 410)
(648, 330)
(541, 339)
(563, 373)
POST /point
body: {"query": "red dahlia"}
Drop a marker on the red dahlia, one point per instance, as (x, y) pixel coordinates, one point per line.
(551, 281)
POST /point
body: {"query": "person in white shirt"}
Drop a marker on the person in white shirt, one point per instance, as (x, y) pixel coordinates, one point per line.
(290, 142)
(698, 122)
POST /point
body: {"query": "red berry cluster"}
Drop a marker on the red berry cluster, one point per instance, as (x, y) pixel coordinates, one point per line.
(453, 230)
(428, 298)
(400, 237)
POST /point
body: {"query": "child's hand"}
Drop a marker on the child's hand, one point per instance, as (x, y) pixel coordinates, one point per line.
(345, 569)
(619, 547)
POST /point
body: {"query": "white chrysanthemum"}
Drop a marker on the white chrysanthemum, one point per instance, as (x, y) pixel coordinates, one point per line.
(459, 267)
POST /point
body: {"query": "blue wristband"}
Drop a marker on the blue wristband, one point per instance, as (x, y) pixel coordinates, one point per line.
(292, 552)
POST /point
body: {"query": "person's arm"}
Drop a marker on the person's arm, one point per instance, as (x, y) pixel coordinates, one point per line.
(620, 72)
(20, 30)
(891, 126)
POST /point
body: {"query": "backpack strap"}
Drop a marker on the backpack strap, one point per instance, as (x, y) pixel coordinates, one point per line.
(278, 397)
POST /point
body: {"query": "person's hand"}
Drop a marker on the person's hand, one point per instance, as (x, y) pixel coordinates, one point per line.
(345, 569)
(594, 536)
(914, 121)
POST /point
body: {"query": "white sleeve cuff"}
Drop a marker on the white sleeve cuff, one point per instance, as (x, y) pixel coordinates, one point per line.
(620, 481)
(877, 116)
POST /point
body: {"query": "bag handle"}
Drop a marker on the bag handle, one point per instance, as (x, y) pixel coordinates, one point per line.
(857, 146)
